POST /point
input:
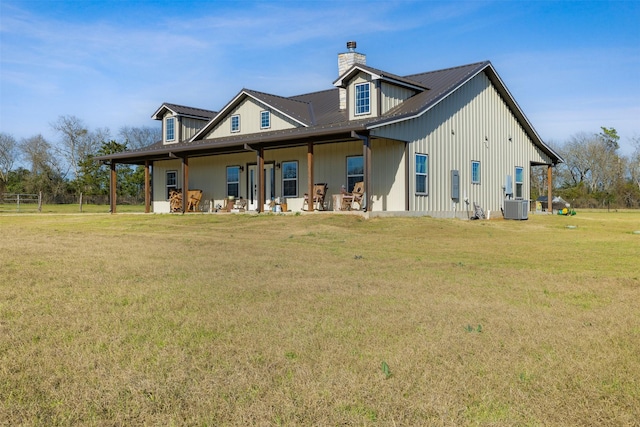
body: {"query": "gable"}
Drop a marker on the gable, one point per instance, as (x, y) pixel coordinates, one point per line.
(249, 112)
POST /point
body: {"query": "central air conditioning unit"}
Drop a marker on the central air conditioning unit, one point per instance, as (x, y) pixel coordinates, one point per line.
(516, 209)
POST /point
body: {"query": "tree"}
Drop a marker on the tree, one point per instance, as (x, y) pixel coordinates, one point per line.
(139, 137)
(45, 174)
(8, 156)
(76, 141)
(37, 152)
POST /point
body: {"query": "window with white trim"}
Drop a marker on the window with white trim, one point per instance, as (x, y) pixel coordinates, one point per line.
(171, 181)
(355, 171)
(422, 174)
(233, 181)
(519, 181)
(362, 99)
(170, 131)
(235, 123)
(290, 179)
(265, 120)
(475, 172)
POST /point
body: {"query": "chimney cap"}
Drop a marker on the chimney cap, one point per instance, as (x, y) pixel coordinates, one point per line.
(351, 45)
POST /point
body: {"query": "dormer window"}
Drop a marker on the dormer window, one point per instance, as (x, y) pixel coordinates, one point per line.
(170, 133)
(362, 104)
(235, 123)
(265, 120)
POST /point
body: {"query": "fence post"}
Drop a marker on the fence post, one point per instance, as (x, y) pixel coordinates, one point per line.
(18, 203)
(81, 202)
(40, 201)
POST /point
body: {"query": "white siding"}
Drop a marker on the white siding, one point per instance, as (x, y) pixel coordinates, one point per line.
(249, 111)
(473, 123)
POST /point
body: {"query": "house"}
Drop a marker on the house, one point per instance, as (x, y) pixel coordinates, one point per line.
(432, 143)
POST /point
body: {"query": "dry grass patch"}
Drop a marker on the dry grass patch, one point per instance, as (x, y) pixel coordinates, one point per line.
(319, 320)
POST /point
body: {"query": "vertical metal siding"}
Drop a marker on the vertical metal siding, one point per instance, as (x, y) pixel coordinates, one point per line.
(393, 95)
(473, 123)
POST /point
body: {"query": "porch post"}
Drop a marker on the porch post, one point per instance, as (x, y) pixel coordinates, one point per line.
(310, 176)
(112, 187)
(260, 178)
(185, 183)
(366, 160)
(366, 142)
(549, 187)
(147, 188)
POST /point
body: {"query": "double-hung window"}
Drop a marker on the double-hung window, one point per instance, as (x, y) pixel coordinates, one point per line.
(290, 179)
(355, 171)
(170, 131)
(233, 181)
(235, 123)
(519, 181)
(172, 181)
(422, 174)
(363, 99)
(475, 172)
(265, 120)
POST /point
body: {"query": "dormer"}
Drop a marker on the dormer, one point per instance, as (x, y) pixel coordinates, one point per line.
(366, 92)
(179, 123)
(251, 112)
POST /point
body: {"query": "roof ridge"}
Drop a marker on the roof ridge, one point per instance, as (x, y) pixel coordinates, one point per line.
(408, 76)
(273, 95)
(186, 106)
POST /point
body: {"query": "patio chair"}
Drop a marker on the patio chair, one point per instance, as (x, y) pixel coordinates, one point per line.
(358, 195)
(319, 192)
(193, 200)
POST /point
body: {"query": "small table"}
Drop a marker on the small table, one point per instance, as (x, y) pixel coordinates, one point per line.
(342, 202)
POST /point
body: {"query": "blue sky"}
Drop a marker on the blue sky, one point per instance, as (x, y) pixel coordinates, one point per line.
(572, 66)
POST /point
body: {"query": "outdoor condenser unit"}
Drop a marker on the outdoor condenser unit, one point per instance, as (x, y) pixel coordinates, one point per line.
(516, 209)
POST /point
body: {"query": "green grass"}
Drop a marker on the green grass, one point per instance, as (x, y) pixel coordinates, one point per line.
(319, 320)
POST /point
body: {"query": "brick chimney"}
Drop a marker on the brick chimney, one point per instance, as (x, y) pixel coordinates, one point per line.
(345, 61)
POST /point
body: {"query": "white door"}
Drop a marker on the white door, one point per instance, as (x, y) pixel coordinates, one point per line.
(269, 184)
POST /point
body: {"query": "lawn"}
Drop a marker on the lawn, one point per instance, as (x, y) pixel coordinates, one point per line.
(224, 319)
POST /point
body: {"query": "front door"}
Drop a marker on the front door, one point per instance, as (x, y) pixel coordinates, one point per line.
(269, 184)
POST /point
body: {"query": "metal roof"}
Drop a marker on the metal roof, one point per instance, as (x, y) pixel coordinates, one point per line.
(322, 120)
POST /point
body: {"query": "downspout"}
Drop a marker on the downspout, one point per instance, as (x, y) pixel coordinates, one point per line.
(366, 156)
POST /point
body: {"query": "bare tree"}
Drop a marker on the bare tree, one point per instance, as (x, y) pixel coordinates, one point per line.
(8, 155)
(76, 141)
(37, 152)
(139, 137)
(634, 162)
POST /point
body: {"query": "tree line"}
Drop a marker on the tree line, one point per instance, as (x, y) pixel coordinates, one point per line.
(64, 169)
(594, 173)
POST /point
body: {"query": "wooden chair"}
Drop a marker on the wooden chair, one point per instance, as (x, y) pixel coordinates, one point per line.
(358, 195)
(350, 199)
(193, 200)
(319, 192)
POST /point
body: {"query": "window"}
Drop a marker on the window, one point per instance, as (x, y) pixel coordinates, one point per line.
(362, 98)
(290, 179)
(475, 172)
(265, 120)
(172, 181)
(233, 181)
(170, 133)
(422, 174)
(355, 171)
(519, 181)
(235, 123)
